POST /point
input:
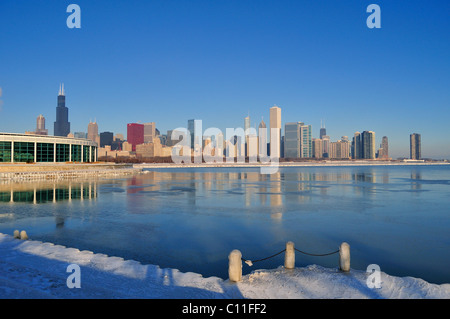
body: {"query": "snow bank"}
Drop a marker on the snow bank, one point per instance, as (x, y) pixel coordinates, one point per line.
(33, 269)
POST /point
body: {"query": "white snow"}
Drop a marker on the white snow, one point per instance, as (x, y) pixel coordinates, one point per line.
(33, 269)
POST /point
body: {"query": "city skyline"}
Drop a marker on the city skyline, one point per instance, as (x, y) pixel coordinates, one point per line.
(221, 62)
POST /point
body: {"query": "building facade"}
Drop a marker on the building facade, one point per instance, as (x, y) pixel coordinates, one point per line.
(23, 148)
(135, 135)
(40, 126)
(415, 147)
(297, 140)
(275, 132)
(368, 145)
(62, 124)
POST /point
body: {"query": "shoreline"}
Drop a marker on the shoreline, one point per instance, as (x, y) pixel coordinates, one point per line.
(290, 164)
(63, 171)
(35, 270)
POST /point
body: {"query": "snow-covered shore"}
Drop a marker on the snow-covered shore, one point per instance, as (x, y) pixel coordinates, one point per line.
(33, 269)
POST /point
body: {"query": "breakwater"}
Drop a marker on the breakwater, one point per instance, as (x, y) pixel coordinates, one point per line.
(30, 172)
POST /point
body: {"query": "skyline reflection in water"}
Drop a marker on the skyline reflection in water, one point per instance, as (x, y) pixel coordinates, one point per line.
(190, 219)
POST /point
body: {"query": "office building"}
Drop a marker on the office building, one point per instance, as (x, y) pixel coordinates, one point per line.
(22, 148)
(323, 130)
(149, 132)
(297, 140)
(92, 133)
(40, 126)
(62, 124)
(135, 135)
(262, 139)
(415, 148)
(106, 138)
(275, 131)
(80, 135)
(195, 131)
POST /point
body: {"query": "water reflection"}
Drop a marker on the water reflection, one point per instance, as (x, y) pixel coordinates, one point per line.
(43, 192)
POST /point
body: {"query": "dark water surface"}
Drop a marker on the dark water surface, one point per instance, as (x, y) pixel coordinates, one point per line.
(397, 217)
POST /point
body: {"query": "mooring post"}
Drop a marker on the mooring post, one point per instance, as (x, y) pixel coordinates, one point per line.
(235, 266)
(289, 256)
(23, 235)
(344, 257)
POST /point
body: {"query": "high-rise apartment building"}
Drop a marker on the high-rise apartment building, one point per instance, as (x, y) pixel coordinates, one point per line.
(340, 149)
(415, 147)
(326, 146)
(384, 148)
(368, 144)
(62, 124)
(317, 147)
(275, 131)
(356, 146)
(135, 135)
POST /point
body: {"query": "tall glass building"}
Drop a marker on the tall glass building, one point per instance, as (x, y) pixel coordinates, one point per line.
(24, 148)
(62, 125)
(415, 148)
(297, 140)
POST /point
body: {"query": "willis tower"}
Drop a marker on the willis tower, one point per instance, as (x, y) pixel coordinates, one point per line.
(62, 124)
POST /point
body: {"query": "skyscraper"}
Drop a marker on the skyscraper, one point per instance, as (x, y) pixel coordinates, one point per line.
(195, 130)
(262, 139)
(40, 126)
(149, 132)
(106, 138)
(62, 124)
(323, 130)
(275, 131)
(356, 146)
(384, 148)
(368, 144)
(297, 140)
(415, 148)
(92, 133)
(135, 135)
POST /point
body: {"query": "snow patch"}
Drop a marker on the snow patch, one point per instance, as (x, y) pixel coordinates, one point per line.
(33, 269)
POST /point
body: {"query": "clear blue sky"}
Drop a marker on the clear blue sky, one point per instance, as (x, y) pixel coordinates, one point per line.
(168, 61)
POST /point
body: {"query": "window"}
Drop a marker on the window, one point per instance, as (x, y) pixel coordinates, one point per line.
(62, 152)
(76, 153)
(23, 152)
(5, 151)
(86, 154)
(45, 152)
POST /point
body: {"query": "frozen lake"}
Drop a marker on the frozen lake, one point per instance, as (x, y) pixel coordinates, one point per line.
(397, 217)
